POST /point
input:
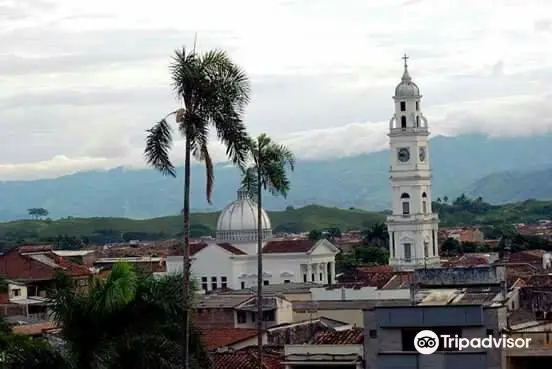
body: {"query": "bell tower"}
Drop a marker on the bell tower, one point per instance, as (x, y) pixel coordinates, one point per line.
(412, 226)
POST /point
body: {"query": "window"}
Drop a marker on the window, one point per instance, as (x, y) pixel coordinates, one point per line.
(16, 292)
(223, 282)
(269, 316)
(424, 207)
(403, 105)
(417, 121)
(265, 283)
(426, 249)
(321, 276)
(417, 106)
(407, 252)
(393, 244)
(434, 244)
(287, 281)
(373, 333)
(312, 277)
(214, 284)
(403, 122)
(406, 208)
(253, 317)
(242, 285)
(305, 278)
(405, 203)
(242, 317)
(204, 285)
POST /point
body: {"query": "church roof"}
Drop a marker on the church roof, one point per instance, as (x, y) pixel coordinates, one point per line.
(288, 246)
(233, 249)
(406, 88)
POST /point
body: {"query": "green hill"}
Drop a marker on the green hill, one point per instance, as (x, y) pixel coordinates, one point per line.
(72, 232)
(102, 230)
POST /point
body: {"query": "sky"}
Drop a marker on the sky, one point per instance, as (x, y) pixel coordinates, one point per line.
(81, 81)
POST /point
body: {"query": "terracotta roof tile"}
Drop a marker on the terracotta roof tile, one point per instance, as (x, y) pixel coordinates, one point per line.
(245, 359)
(177, 249)
(34, 248)
(352, 336)
(33, 329)
(542, 280)
(230, 248)
(217, 338)
(287, 246)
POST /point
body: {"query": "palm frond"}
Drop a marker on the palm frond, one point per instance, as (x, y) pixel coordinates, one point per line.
(249, 182)
(158, 144)
(205, 157)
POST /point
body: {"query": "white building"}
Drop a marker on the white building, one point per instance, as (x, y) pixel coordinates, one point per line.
(231, 260)
(412, 226)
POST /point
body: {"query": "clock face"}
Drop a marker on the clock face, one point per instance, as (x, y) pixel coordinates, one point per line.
(403, 154)
(422, 153)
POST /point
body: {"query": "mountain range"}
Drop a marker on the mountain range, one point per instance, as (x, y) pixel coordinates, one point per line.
(500, 170)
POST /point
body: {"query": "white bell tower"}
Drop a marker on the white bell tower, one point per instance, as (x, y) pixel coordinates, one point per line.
(412, 226)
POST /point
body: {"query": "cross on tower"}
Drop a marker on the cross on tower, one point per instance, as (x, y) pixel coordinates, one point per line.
(405, 58)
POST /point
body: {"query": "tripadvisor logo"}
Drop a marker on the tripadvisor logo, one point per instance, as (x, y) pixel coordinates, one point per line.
(427, 342)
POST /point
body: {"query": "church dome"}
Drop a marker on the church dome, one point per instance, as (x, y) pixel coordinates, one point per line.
(238, 221)
(406, 88)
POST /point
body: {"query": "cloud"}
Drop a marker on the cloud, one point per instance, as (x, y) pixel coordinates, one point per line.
(82, 82)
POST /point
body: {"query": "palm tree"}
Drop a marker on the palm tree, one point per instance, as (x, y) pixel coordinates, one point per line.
(128, 321)
(266, 172)
(214, 92)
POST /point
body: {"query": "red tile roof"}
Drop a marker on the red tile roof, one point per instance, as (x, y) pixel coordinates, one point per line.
(34, 248)
(73, 269)
(543, 280)
(466, 261)
(352, 336)
(288, 246)
(217, 338)
(230, 248)
(177, 248)
(245, 359)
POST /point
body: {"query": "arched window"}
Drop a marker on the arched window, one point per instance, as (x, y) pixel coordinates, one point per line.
(417, 121)
(424, 203)
(403, 105)
(405, 200)
(403, 122)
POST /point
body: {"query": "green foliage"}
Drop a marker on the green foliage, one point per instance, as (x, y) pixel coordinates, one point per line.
(464, 211)
(69, 232)
(128, 321)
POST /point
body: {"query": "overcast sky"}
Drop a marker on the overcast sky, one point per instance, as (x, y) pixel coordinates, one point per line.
(82, 80)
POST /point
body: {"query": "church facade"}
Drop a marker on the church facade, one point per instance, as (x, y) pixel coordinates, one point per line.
(412, 226)
(230, 261)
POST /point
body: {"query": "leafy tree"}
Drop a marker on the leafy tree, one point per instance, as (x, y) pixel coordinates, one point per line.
(37, 213)
(371, 255)
(315, 235)
(451, 246)
(332, 233)
(128, 321)
(267, 172)
(377, 235)
(214, 92)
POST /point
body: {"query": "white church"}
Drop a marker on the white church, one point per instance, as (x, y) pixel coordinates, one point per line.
(412, 226)
(230, 261)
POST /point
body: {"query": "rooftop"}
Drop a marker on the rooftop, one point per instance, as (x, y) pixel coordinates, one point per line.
(246, 359)
(219, 338)
(352, 336)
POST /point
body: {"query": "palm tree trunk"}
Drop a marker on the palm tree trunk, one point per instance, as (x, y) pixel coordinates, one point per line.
(186, 259)
(259, 266)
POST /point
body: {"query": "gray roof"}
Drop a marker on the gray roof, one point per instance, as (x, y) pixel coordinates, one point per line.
(227, 301)
(345, 304)
(286, 288)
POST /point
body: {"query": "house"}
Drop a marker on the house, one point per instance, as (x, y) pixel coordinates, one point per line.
(230, 261)
(37, 266)
(340, 348)
(468, 302)
(226, 310)
(20, 303)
